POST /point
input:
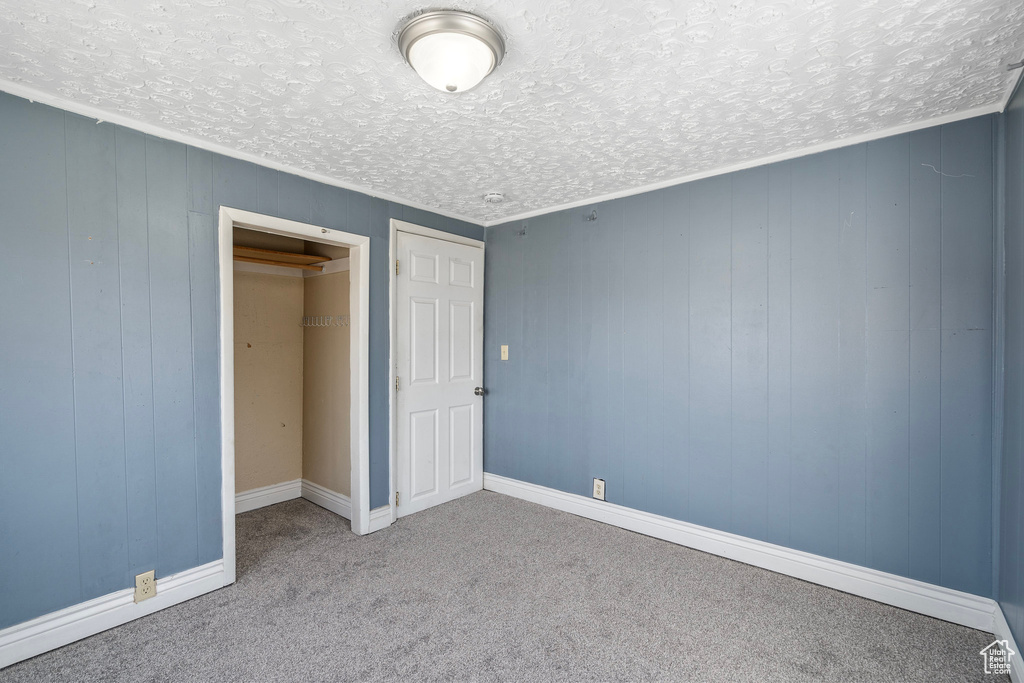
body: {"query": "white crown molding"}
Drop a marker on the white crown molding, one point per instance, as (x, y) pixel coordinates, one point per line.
(253, 499)
(88, 618)
(73, 106)
(675, 88)
(101, 116)
(760, 161)
(935, 601)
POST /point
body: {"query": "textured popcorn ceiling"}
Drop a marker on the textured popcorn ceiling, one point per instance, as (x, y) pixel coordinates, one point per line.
(594, 97)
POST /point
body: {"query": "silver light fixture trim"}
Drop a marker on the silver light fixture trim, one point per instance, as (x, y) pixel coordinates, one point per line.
(451, 50)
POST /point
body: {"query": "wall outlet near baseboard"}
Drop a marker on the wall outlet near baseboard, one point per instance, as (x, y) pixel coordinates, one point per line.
(598, 488)
(145, 586)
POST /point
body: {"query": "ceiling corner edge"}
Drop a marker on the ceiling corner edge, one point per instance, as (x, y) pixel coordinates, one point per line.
(1015, 84)
(973, 112)
(101, 116)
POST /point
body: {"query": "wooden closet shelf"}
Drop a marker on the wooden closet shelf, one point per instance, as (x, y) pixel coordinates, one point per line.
(278, 257)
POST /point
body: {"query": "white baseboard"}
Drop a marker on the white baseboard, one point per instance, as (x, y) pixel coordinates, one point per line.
(254, 499)
(79, 621)
(337, 503)
(340, 504)
(925, 598)
(1002, 632)
(380, 518)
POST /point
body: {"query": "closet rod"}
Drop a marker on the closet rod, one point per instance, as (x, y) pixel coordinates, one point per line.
(268, 262)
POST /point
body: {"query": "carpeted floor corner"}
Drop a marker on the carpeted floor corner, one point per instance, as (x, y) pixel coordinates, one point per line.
(490, 588)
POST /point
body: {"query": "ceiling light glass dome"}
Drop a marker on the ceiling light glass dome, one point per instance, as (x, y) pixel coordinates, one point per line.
(452, 51)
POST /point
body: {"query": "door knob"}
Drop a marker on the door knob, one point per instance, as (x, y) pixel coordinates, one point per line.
(479, 391)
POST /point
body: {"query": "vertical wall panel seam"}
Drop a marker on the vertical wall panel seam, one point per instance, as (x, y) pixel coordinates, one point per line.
(651, 499)
(522, 335)
(1020, 470)
(768, 353)
(545, 443)
(941, 365)
(647, 337)
(1006, 311)
(152, 360)
(621, 423)
(867, 347)
(732, 351)
(766, 226)
(868, 417)
(768, 341)
(998, 340)
(910, 354)
(124, 397)
(689, 352)
(839, 348)
(645, 253)
(663, 455)
(1019, 547)
(837, 388)
(583, 370)
(789, 441)
(71, 336)
(192, 346)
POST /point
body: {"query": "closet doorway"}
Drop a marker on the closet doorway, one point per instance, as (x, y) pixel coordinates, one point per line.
(294, 368)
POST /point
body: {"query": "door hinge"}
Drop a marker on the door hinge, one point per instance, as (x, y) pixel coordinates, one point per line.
(396, 498)
(396, 266)
(396, 382)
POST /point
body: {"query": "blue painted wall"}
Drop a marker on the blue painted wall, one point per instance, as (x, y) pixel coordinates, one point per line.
(1011, 522)
(799, 353)
(109, 401)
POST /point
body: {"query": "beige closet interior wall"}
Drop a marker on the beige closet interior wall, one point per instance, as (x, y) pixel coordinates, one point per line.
(268, 372)
(291, 382)
(325, 408)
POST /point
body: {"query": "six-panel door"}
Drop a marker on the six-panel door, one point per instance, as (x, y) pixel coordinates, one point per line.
(439, 364)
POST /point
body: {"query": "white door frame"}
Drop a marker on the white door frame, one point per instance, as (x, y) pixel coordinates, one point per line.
(359, 327)
(413, 229)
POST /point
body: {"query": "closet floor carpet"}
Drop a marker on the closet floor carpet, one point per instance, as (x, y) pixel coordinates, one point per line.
(493, 588)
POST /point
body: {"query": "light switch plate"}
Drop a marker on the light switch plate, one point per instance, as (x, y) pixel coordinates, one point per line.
(504, 351)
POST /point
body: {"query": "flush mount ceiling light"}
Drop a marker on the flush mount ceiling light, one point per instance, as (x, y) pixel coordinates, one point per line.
(451, 50)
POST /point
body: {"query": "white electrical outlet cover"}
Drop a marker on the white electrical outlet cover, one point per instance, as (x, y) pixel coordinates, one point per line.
(599, 489)
(145, 586)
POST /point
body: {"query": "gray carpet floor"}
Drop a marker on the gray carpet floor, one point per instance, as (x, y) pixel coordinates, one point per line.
(491, 588)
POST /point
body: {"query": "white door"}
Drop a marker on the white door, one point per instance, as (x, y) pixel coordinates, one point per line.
(440, 328)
